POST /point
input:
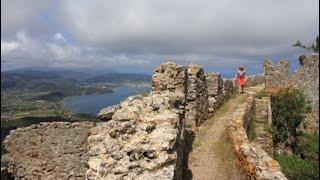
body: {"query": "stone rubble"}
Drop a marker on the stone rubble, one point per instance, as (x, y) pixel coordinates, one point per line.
(107, 113)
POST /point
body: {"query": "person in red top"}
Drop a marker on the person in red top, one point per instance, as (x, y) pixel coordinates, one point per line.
(241, 78)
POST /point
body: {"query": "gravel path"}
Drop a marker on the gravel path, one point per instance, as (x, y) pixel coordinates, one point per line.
(211, 156)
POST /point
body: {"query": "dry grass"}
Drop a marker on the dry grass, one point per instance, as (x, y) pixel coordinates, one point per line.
(223, 149)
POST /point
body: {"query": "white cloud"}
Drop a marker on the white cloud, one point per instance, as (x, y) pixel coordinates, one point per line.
(63, 52)
(59, 37)
(7, 47)
(133, 34)
(185, 24)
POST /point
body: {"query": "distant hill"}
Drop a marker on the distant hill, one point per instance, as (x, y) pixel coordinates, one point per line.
(65, 81)
(120, 77)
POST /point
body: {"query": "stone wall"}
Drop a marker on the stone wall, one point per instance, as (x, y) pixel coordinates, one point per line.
(141, 138)
(228, 89)
(215, 90)
(169, 76)
(305, 78)
(197, 96)
(276, 76)
(55, 150)
(144, 138)
(262, 121)
(254, 80)
(253, 161)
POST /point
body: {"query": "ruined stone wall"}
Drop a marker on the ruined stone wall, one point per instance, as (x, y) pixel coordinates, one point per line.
(141, 138)
(261, 124)
(276, 76)
(306, 79)
(254, 80)
(215, 90)
(254, 162)
(228, 88)
(197, 96)
(144, 138)
(56, 150)
(169, 76)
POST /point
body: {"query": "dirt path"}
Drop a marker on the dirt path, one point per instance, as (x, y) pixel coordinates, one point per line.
(211, 156)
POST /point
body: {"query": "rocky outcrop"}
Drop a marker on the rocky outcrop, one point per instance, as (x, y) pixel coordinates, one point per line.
(107, 113)
(55, 150)
(197, 96)
(254, 162)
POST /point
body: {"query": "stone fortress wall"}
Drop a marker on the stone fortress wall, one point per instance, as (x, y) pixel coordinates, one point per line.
(253, 160)
(276, 76)
(305, 78)
(143, 136)
(196, 96)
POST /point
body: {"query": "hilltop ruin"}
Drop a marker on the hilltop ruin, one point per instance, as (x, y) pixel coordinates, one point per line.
(144, 136)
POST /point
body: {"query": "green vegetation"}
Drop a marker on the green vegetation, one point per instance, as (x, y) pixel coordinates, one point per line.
(251, 133)
(187, 126)
(296, 168)
(308, 148)
(314, 46)
(262, 94)
(288, 109)
(304, 164)
(227, 159)
(38, 93)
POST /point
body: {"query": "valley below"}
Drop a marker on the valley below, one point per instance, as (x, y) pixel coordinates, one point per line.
(32, 97)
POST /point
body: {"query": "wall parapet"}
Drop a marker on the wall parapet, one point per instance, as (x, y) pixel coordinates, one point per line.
(305, 78)
(141, 138)
(253, 161)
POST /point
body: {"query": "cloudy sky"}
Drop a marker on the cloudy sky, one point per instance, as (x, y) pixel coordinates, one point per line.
(134, 36)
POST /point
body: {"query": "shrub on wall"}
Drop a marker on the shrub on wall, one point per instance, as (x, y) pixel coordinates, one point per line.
(296, 168)
(288, 108)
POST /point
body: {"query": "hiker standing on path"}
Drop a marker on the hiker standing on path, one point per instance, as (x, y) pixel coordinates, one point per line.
(241, 78)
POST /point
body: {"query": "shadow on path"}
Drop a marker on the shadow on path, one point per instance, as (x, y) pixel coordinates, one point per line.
(189, 138)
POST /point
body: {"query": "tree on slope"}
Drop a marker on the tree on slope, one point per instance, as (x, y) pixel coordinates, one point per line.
(314, 46)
